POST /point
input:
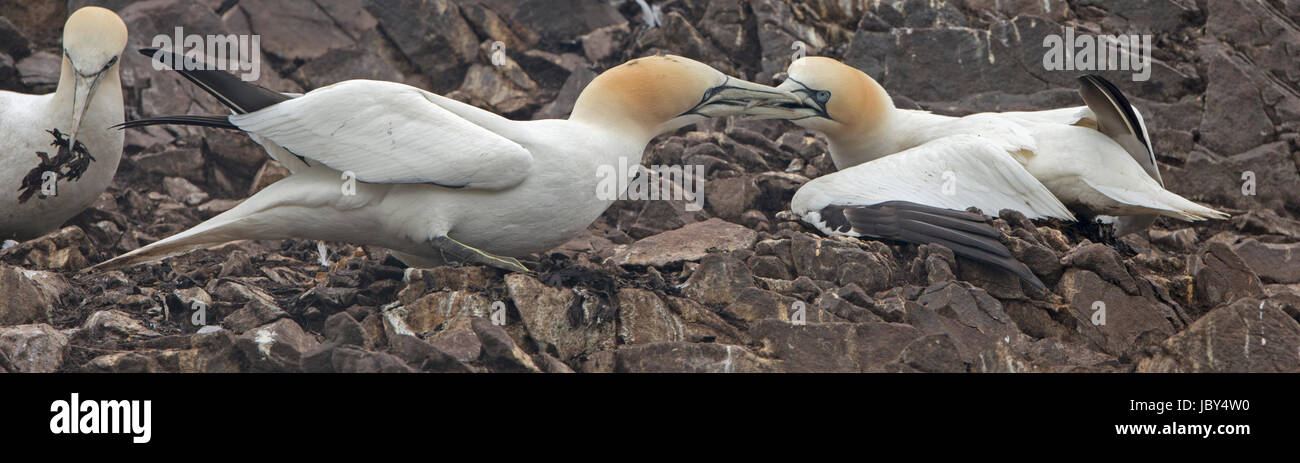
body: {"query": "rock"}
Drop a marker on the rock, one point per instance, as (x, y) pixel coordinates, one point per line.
(463, 345)
(561, 319)
(343, 330)
(645, 318)
(276, 347)
(972, 307)
(431, 34)
(562, 105)
(680, 357)
(504, 89)
(729, 198)
(1222, 277)
(686, 244)
(1103, 261)
(115, 324)
(1223, 181)
(833, 347)
(934, 353)
(294, 30)
(1273, 262)
(556, 20)
(434, 311)
(184, 192)
(16, 45)
(499, 351)
(844, 263)
(604, 42)
(125, 362)
(1132, 323)
(718, 280)
(1178, 240)
(23, 300)
(64, 249)
(424, 356)
(349, 359)
(1248, 335)
(37, 348)
(254, 314)
(40, 71)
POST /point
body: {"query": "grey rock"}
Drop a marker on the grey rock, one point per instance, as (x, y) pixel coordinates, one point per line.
(37, 348)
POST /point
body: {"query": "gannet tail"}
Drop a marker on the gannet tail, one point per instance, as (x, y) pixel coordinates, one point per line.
(1160, 201)
(208, 233)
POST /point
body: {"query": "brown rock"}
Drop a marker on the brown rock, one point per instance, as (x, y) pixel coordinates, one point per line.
(687, 244)
(1273, 262)
(276, 347)
(35, 348)
(680, 357)
(560, 318)
(1223, 277)
(1248, 335)
(718, 280)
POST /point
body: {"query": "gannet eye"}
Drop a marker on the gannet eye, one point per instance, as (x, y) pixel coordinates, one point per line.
(821, 96)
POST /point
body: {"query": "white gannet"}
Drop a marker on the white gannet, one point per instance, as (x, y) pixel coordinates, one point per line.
(906, 174)
(440, 181)
(57, 153)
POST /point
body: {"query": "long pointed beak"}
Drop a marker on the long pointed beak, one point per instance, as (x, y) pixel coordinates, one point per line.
(735, 96)
(83, 93)
(803, 107)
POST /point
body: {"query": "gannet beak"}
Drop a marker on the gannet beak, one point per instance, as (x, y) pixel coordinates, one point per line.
(803, 107)
(735, 97)
(84, 91)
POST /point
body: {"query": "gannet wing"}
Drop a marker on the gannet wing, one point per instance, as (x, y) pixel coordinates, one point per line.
(954, 172)
(920, 195)
(385, 132)
(1120, 121)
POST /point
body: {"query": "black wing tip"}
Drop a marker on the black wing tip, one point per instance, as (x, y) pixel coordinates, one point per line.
(972, 239)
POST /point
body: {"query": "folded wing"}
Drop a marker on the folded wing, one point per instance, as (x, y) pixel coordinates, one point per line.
(920, 195)
(385, 132)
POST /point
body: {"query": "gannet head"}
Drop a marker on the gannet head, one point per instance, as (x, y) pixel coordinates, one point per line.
(656, 94)
(93, 40)
(835, 98)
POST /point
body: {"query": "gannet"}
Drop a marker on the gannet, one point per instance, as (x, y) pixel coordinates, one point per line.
(56, 152)
(439, 181)
(905, 174)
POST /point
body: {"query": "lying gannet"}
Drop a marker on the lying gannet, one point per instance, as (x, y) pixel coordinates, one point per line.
(437, 180)
(56, 148)
(906, 174)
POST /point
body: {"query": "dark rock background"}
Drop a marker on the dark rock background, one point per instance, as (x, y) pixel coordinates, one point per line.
(651, 287)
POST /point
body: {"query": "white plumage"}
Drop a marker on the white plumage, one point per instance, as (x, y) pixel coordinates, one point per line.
(992, 157)
(87, 102)
(442, 181)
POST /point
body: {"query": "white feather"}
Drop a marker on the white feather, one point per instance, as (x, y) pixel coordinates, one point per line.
(387, 132)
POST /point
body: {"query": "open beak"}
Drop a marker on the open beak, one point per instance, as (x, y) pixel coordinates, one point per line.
(84, 91)
(735, 97)
(802, 108)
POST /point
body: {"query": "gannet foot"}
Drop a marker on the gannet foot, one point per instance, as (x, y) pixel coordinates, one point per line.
(456, 252)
